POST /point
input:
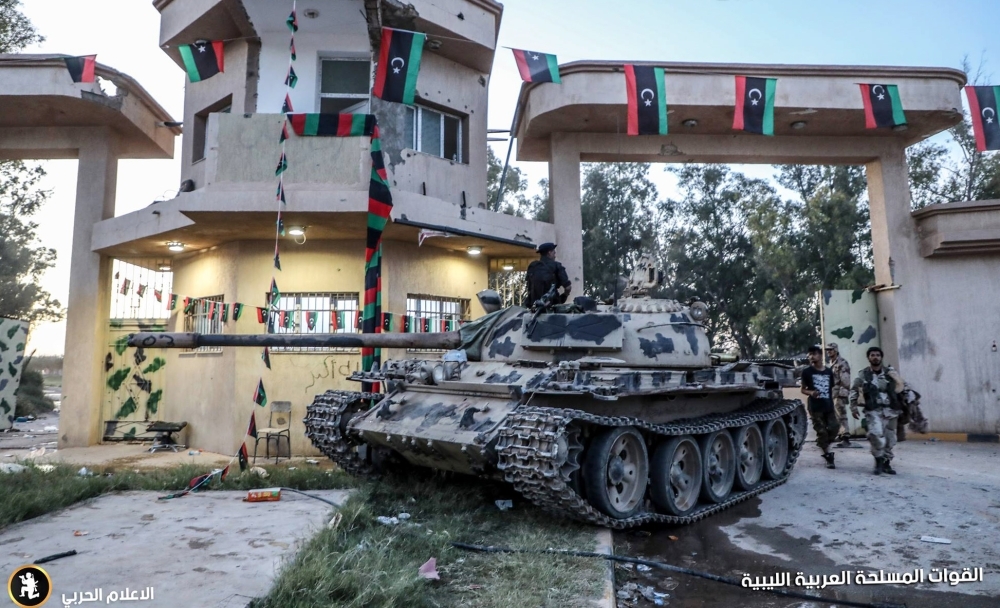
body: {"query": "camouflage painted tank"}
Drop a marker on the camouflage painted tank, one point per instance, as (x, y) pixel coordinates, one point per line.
(614, 415)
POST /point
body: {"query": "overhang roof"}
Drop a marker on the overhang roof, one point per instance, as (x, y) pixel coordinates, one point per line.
(38, 93)
(592, 99)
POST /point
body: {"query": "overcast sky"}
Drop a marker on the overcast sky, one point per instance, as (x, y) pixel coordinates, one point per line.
(124, 35)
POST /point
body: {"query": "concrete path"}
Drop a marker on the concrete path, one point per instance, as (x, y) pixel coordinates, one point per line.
(210, 550)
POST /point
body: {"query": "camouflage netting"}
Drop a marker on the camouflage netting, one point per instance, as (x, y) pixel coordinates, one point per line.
(476, 333)
(13, 335)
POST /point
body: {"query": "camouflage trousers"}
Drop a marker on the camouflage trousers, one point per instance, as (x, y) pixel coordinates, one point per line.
(826, 426)
(840, 404)
(881, 425)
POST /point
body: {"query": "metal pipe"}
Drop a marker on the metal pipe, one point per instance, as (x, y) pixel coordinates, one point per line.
(450, 339)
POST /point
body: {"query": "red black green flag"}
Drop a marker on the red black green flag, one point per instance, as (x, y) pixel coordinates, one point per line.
(277, 258)
(252, 429)
(224, 473)
(81, 69)
(284, 133)
(882, 106)
(211, 311)
(158, 295)
(203, 60)
(260, 314)
(244, 457)
(407, 323)
(125, 287)
(335, 125)
(280, 195)
(188, 305)
(275, 294)
(537, 67)
(225, 312)
(398, 65)
(387, 321)
(755, 104)
(985, 123)
(282, 165)
(259, 396)
(425, 324)
(237, 311)
(265, 356)
(311, 319)
(291, 79)
(292, 22)
(647, 100)
(286, 106)
(173, 301)
(140, 290)
(291, 49)
(379, 208)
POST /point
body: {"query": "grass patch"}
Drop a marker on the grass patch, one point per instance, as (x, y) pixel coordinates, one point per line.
(33, 492)
(362, 563)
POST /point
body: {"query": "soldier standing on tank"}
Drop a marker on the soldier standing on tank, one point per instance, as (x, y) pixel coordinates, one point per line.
(841, 390)
(545, 272)
(817, 383)
(877, 388)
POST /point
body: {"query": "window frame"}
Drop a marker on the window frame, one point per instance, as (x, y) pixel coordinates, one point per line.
(320, 95)
(464, 312)
(297, 327)
(415, 113)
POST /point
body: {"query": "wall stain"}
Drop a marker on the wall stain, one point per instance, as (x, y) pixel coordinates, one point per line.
(914, 341)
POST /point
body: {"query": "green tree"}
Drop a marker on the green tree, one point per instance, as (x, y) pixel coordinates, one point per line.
(22, 261)
(31, 397)
(620, 221)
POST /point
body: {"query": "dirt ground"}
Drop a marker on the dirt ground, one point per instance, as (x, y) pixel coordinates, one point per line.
(825, 521)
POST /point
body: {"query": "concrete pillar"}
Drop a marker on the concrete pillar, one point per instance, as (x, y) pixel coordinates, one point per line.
(892, 233)
(89, 295)
(564, 188)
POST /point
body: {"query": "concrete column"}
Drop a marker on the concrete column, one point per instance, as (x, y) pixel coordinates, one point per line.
(89, 294)
(892, 233)
(564, 188)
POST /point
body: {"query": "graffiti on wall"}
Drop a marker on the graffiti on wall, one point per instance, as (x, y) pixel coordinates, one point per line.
(13, 335)
(133, 384)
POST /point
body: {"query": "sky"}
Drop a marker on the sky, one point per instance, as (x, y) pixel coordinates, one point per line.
(124, 34)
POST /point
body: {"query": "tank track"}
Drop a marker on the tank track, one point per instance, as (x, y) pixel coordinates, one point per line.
(530, 460)
(324, 427)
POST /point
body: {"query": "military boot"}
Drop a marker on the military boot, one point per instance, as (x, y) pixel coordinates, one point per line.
(878, 465)
(828, 457)
(886, 468)
(845, 441)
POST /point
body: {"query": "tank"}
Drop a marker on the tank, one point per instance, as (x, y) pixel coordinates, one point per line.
(617, 414)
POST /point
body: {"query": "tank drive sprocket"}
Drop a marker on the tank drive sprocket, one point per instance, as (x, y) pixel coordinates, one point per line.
(326, 424)
(531, 459)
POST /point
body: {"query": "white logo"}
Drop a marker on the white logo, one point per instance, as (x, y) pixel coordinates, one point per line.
(29, 587)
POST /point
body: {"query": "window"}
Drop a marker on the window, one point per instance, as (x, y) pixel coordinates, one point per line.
(435, 309)
(198, 320)
(297, 309)
(223, 106)
(434, 132)
(344, 85)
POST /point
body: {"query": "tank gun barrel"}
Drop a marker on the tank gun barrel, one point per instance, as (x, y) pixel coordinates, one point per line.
(445, 340)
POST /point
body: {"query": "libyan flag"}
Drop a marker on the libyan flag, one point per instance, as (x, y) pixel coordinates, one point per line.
(259, 396)
(336, 125)
(537, 67)
(882, 106)
(81, 69)
(203, 60)
(985, 123)
(398, 65)
(647, 100)
(755, 105)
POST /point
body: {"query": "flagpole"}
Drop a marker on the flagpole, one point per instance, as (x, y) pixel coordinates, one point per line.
(506, 162)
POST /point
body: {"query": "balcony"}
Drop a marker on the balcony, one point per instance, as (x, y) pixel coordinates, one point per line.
(969, 227)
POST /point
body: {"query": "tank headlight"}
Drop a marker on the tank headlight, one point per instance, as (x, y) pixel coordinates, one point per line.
(699, 311)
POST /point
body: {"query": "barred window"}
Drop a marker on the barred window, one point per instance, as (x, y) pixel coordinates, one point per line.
(313, 313)
(434, 309)
(199, 320)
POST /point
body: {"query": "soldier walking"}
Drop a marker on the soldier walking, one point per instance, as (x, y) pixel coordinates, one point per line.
(817, 383)
(841, 390)
(877, 388)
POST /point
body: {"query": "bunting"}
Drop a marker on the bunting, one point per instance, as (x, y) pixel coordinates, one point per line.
(252, 429)
(259, 396)
(244, 457)
(158, 295)
(173, 301)
(237, 311)
(265, 356)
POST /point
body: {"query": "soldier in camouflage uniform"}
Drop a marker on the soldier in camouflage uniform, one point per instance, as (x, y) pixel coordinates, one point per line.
(877, 388)
(841, 390)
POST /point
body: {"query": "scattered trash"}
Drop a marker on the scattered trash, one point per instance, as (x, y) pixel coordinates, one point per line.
(403, 516)
(626, 566)
(30, 418)
(20, 419)
(193, 452)
(83, 472)
(672, 537)
(935, 539)
(429, 570)
(51, 429)
(624, 595)
(29, 436)
(45, 468)
(10, 467)
(669, 584)
(335, 522)
(80, 533)
(643, 568)
(311, 461)
(259, 472)
(264, 495)
(291, 468)
(387, 521)
(647, 592)
(503, 505)
(49, 558)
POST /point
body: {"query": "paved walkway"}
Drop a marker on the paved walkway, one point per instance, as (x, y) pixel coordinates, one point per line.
(210, 550)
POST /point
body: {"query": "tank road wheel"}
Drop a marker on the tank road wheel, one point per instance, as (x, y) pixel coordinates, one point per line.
(719, 469)
(616, 470)
(749, 456)
(775, 448)
(675, 475)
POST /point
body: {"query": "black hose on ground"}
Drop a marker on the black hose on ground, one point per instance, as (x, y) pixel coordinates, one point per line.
(331, 503)
(677, 569)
